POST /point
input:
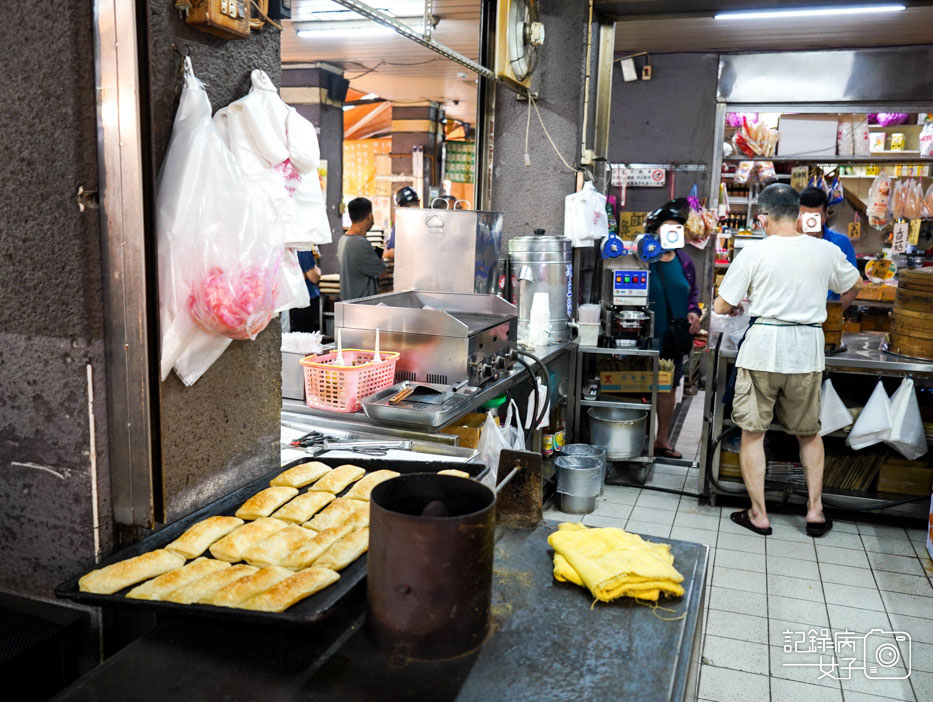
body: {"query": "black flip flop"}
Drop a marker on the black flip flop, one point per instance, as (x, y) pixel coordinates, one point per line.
(668, 453)
(818, 529)
(743, 519)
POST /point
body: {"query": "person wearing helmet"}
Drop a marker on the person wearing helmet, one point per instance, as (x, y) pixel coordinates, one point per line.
(406, 197)
(672, 295)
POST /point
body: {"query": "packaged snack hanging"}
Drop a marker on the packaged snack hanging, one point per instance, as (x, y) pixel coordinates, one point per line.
(836, 193)
(926, 140)
(928, 203)
(913, 206)
(899, 200)
(879, 197)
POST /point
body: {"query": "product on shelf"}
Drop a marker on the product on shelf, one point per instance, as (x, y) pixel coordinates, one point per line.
(879, 197)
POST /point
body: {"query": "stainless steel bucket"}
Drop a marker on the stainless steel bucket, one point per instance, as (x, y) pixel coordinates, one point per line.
(588, 450)
(619, 430)
(579, 479)
(542, 263)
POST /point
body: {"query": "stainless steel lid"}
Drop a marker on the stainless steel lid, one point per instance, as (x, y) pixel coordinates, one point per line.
(541, 244)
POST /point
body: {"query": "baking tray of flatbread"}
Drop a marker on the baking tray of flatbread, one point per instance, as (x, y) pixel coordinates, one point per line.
(164, 563)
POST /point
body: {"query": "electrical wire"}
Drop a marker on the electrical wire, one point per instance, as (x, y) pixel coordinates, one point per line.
(532, 376)
(527, 131)
(547, 382)
(257, 23)
(553, 145)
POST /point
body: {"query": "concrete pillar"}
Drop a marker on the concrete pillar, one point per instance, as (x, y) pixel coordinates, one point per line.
(417, 125)
(224, 430)
(533, 197)
(318, 91)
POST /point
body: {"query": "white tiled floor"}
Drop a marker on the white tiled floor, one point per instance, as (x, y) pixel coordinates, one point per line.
(859, 577)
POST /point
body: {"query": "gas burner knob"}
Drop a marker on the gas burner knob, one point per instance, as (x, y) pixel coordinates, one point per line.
(501, 362)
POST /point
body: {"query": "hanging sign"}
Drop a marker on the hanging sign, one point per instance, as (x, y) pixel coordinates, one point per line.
(855, 228)
(639, 177)
(899, 240)
(798, 177)
(914, 237)
(630, 224)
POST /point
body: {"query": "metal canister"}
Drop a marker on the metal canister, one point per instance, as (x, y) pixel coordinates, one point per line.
(542, 263)
(429, 584)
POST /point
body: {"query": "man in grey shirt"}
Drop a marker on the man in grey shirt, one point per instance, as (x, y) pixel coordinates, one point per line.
(360, 265)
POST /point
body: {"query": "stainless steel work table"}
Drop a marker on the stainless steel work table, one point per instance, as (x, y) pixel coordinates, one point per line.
(546, 643)
(292, 410)
(863, 356)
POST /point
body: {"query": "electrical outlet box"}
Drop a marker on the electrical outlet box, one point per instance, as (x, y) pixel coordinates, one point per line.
(588, 157)
(646, 72)
(228, 19)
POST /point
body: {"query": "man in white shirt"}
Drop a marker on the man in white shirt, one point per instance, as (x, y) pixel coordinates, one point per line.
(780, 364)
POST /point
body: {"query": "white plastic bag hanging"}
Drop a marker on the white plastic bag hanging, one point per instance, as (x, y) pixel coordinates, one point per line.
(585, 218)
(834, 415)
(906, 435)
(491, 443)
(278, 149)
(494, 439)
(874, 423)
(542, 401)
(218, 264)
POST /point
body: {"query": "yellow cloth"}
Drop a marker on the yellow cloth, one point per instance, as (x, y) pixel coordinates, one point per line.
(613, 563)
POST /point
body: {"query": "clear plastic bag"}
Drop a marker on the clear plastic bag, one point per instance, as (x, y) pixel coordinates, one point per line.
(927, 212)
(874, 423)
(879, 197)
(913, 205)
(834, 415)
(906, 436)
(218, 258)
(493, 439)
(898, 200)
(926, 140)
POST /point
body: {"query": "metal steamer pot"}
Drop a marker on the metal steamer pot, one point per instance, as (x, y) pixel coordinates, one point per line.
(620, 431)
(542, 263)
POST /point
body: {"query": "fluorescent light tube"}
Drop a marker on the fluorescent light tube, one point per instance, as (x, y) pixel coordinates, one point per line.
(777, 13)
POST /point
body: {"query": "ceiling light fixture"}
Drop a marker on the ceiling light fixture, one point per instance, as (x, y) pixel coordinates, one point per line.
(359, 27)
(784, 13)
(327, 10)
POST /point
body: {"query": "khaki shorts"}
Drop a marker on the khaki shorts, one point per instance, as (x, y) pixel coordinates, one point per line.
(792, 399)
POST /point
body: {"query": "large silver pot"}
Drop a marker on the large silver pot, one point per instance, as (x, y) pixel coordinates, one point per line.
(542, 263)
(619, 430)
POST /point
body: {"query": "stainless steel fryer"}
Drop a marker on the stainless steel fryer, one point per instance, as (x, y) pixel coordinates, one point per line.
(443, 338)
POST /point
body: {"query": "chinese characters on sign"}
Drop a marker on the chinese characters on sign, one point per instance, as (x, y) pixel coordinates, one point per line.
(878, 654)
(631, 224)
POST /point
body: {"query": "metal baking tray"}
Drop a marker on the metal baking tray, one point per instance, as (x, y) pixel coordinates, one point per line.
(427, 414)
(308, 611)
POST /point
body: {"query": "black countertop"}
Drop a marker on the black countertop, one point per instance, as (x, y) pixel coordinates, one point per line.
(547, 642)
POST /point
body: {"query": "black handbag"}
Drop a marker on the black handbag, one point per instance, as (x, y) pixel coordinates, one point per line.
(677, 340)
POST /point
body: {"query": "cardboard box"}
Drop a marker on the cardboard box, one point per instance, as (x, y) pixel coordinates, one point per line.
(468, 428)
(905, 477)
(634, 381)
(870, 292)
(807, 135)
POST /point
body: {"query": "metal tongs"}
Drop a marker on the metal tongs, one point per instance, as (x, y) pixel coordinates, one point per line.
(372, 447)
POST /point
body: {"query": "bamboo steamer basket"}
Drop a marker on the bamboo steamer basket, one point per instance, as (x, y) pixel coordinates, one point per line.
(912, 328)
(832, 327)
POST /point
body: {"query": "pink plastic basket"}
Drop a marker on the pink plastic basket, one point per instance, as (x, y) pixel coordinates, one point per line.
(339, 388)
